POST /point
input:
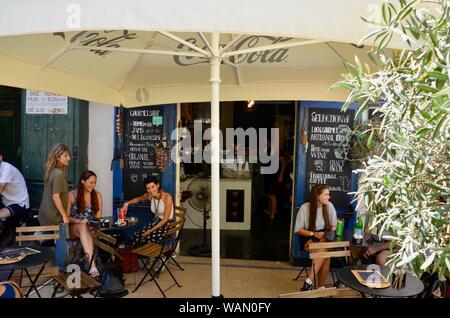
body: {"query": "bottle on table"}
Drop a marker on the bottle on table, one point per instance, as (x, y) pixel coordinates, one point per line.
(358, 230)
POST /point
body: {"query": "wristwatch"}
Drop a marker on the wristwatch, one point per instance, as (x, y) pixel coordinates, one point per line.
(312, 233)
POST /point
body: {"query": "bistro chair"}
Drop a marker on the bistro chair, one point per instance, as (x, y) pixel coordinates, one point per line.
(328, 250)
(305, 262)
(87, 284)
(157, 254)
(180, 214)
(36, 234)
(319, 251)
(324, 292)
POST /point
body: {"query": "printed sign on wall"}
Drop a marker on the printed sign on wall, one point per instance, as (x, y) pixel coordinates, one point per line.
(39, 103)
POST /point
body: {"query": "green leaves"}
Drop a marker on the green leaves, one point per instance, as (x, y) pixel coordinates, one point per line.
(405, 153)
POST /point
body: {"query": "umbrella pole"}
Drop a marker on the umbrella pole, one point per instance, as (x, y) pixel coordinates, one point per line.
(215, 61)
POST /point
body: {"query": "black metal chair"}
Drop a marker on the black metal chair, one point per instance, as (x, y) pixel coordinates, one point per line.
(157, 255)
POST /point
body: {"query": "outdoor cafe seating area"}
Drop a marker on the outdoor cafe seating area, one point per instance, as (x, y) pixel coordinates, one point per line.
(30, 263)
(162, 273)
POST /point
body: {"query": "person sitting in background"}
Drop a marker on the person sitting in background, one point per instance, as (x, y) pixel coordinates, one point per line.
(376, 255)
(161, 204)
(84, 205)
(14, 200)
(313, 219)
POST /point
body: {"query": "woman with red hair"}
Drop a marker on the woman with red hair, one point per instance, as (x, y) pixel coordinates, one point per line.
(85, 205)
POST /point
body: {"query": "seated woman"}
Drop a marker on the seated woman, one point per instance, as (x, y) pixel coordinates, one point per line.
(161, 205)
(313, 219)
(85, 205)
(377, 254)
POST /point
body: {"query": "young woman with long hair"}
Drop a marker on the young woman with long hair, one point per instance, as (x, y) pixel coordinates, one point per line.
(314, 218)
(85, 204)
(161, 205)
(52, 210)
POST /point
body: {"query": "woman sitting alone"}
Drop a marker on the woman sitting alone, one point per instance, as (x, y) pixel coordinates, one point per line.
(85, 205)
(314, 218)
(161, 205)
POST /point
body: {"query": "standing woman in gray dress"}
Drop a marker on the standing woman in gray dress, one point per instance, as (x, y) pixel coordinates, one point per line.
(54, 200)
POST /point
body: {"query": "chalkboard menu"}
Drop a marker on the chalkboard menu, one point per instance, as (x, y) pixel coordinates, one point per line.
(327, 159)
(143, 130)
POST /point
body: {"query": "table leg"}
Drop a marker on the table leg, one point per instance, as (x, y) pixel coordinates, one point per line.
(33, 282)
(358, 257)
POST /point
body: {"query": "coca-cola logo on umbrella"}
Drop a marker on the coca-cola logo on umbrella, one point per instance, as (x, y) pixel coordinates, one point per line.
(99, 39)
(268, 56)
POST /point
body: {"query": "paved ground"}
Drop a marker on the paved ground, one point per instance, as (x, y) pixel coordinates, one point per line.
(239, 278)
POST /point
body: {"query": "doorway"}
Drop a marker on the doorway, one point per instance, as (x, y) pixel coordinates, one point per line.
(10, 124)
(247, 231)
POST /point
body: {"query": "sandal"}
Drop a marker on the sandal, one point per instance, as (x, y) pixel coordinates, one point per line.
(93, 272)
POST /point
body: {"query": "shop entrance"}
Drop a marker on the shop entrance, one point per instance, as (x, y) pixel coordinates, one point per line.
(247, 229)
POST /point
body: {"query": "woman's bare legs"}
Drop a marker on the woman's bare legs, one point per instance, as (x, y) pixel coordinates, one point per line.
(321, 266)
(81, 231)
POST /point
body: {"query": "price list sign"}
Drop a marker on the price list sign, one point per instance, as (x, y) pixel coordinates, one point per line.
(142, 133)
(327, 158)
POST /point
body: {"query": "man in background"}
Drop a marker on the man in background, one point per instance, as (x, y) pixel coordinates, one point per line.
(14, 201)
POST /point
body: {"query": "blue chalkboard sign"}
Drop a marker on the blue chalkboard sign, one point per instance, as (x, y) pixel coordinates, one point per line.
(327, 158)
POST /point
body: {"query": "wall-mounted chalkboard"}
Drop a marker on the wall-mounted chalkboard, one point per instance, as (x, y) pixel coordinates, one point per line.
(143, 132)
(327, 159)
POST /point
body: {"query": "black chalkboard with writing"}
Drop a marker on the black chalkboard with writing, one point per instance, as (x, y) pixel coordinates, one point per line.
(327, 159)
(143, 128)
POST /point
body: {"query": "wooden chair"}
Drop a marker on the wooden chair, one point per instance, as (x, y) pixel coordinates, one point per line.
(86, 284)
(106, 243)
(180, 214)
(328, 250)
(35, 234)
(160, 253)
(320, 251)
(324, 292)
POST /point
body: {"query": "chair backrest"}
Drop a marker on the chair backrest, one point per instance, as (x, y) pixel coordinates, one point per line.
(173, 234)
(107, 243)
(37, 233)
(324, 292)
(330, 250)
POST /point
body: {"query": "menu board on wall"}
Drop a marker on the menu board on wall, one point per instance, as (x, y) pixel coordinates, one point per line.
(142, 134)
(326, 157)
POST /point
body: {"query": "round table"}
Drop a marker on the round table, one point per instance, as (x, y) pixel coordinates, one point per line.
(413, 285)
(45, 255)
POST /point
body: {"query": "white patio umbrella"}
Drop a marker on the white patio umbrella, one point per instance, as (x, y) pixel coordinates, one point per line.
(139, 52)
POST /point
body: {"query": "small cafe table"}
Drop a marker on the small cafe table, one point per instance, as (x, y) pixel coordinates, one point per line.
(45, 255)
(413, 285)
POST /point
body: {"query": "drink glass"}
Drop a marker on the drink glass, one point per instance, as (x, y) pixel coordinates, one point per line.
(340, 227)
(120, 216)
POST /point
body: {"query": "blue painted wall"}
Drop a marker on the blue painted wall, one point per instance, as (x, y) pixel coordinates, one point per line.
(142, 211)
(300, 177)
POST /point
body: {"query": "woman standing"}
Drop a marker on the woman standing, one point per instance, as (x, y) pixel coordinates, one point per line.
(314, 218)
(52, 210)
(161, 204)
(85, 205)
